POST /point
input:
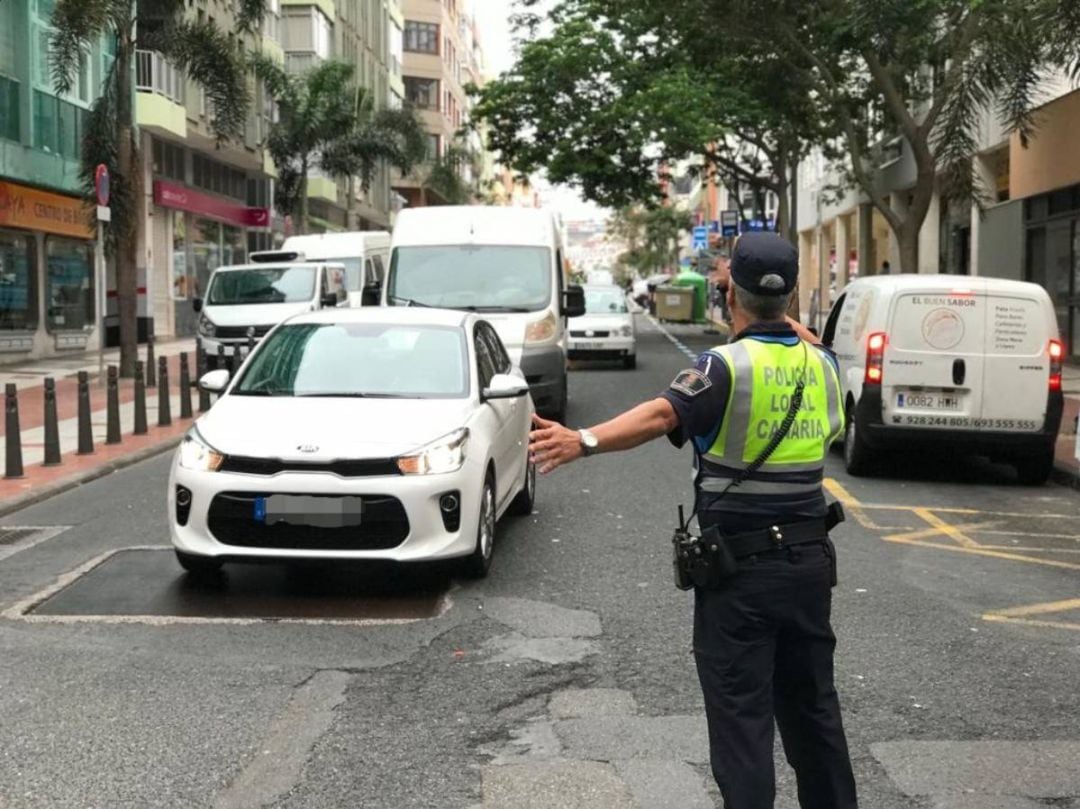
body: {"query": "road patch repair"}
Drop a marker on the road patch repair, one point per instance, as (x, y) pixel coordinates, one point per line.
(145, 585)
(1041, 539)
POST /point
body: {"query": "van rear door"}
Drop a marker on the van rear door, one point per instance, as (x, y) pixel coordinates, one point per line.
(934, 357)
(1017, 374)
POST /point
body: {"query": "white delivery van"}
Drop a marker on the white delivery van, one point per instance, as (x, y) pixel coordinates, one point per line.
(953, 361)
(505, 263)
(243, 302)
(365, 255)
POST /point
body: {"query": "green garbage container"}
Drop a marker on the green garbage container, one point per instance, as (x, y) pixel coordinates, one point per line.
(700, 285)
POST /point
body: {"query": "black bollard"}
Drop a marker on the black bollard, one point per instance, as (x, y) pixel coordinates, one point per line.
(13, 467)
(164, 412)
(140, 400)
(200, 369)
(185, 387)
(112, 408)
(86, 431)
(234, 361)
(250, 344)
(52, 425)
(150, 380)
(222, 363)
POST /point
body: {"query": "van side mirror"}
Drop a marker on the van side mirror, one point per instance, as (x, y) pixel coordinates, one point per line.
(573, 301)
(505, 386)
(329, 300)
(197, 304)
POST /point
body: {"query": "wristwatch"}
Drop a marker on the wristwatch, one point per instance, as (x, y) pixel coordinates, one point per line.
(589, 443)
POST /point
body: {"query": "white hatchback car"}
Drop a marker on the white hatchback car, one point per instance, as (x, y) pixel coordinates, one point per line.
(606, 330)
(359, 434)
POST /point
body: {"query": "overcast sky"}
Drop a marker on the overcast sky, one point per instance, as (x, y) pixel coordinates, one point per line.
(492, 18)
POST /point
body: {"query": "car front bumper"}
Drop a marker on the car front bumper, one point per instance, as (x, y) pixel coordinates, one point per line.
(424, 536)
(600, 347)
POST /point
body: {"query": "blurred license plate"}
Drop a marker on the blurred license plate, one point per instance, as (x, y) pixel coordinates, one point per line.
(928, 400)
(322, 512)
(590, 346)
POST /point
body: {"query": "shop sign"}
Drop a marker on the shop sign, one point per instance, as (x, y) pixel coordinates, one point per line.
(182, 198)
(23, 207)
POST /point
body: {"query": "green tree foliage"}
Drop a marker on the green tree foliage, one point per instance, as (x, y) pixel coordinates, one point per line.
(444, 177)
(209, 56)
(651, 236)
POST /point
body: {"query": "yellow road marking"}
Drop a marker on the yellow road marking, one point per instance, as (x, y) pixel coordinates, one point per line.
(979, 551)
(851, 504)
(998, 619)
(939, 526)
(1026, 548)
(1021, 615)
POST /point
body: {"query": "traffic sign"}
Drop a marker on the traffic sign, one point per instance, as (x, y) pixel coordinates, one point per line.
(714, 226)
(701, 238)
(729, 223)
(101, 184)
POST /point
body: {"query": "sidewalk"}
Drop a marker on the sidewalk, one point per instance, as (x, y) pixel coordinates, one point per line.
(40, 482)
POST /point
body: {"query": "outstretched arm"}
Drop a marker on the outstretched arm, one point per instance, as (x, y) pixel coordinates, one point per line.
(553, 445)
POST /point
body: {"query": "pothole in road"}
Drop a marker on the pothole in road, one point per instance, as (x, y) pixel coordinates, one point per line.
(144, 585)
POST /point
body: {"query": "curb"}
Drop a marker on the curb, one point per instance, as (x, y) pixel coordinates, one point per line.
(1066, 477)
(46, 491)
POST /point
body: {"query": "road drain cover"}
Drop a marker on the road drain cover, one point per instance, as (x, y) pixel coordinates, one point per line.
(149, 583)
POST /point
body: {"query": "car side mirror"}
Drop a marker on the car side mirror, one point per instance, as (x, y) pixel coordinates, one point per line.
(505, 386)
(329, 300)
(197, 304)
(214, 381)
(574, 301)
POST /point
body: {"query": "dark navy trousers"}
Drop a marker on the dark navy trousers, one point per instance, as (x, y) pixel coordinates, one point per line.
(764, 648)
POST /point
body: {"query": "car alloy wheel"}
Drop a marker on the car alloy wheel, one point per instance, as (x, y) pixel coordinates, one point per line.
(477, 564)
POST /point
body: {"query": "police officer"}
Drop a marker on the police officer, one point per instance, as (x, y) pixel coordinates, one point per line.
(762, 636)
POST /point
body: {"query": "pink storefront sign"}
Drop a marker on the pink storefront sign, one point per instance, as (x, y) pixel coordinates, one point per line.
(182, 198)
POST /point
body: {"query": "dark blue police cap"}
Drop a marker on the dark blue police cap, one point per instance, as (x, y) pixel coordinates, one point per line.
(765, 264)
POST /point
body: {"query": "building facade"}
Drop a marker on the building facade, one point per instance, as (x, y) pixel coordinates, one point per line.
(49, 289)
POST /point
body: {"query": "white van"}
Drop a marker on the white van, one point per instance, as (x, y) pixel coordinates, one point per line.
(506, 263)
(243, 302)
(959, 361)
(365, 254)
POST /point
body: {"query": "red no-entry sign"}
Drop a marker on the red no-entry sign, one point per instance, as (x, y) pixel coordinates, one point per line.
(101, 184)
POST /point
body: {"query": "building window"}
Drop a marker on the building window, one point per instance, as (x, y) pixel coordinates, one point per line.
(421, 37)
(219, 178)
(69, 293)
(58, 125)
(434, 144)
(9, 109)
(18, 282)
(422, 93)
(169, 160)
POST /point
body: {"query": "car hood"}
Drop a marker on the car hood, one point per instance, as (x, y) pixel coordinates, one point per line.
(255, 314)
(600, 322)
(329, 429)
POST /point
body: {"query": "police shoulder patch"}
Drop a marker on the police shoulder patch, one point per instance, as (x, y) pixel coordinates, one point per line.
(691, 382)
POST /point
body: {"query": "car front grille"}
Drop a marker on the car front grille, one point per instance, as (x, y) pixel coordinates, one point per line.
(239, 332)
(232, 522)
(586, 335)
(369, 467)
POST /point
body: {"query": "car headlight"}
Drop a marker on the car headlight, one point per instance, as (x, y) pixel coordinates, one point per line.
(541, 331)
(206, 327)
(627, 331)
(198, 455)
(442, 455)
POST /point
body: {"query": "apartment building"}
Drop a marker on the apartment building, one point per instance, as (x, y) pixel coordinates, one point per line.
(366, 34)
(48, 283)
(1029, 229)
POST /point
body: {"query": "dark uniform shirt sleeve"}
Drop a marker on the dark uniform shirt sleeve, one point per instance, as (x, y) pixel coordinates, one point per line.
(699, 396)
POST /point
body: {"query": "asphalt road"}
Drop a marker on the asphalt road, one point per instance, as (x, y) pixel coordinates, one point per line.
(563, 680)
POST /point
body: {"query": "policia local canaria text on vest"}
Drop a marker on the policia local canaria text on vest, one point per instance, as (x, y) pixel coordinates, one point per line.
(759, 414)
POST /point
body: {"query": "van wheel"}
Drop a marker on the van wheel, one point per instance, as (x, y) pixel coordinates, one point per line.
(477, 564)
(630, 362)
(1035, 469)
(858, 457)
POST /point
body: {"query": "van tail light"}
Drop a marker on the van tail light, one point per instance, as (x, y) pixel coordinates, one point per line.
(1057, 356)
(875, 358)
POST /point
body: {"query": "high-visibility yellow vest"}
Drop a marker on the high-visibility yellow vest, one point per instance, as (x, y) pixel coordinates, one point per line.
(763, 378)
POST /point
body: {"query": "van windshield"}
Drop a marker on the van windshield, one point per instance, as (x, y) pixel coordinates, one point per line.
(262, 285)
(483, 278)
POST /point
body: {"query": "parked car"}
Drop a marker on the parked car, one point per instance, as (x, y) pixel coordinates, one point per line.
(245, 301)
(357, 434)
(970, 363)
(507, 263)
(606, 330)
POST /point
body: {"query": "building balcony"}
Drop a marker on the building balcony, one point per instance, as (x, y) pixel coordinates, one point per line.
(325, 6)
(297, 62)
(160, 100)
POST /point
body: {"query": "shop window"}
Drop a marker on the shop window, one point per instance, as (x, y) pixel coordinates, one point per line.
(206, 252)
(18, 282)
(181, 281)
(69, 275)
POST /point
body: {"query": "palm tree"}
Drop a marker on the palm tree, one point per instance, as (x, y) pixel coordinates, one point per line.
(443, 177)
(376, 138)
(210, 57)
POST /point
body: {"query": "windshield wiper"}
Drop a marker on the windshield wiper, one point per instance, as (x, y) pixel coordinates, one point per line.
(262, 393)
(349, 395)
(482, 309)
(409, 302)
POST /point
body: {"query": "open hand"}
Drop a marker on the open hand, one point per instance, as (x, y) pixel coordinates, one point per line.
(551, 444)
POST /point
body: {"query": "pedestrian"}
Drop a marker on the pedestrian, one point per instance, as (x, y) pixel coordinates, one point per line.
(760, 414)
(886, 268)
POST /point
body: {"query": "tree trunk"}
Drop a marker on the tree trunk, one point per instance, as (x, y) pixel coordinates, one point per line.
(128, 228)
(783, 209)
(303, 228)
(908, 237)
(349, 204)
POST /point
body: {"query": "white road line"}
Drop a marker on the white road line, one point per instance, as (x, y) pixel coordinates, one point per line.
(678, 343)
(20, 611)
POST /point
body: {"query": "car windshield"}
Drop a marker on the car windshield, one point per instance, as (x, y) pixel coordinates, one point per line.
(377, 360)
(605, 301)
(262, 285)
(484, 278)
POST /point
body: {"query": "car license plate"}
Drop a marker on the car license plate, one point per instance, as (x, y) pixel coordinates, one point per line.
(321, 512)
(928, 400)
(590, 346)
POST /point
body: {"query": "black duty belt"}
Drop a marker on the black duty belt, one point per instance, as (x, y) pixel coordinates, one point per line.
(777, 537)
